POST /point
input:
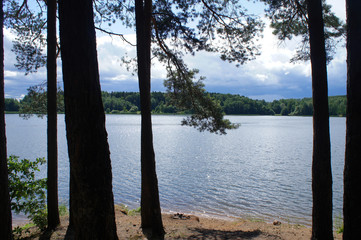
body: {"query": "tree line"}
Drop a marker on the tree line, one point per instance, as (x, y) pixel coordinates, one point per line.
(161, 103)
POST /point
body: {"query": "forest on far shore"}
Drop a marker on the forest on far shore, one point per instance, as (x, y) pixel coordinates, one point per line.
(232, 104)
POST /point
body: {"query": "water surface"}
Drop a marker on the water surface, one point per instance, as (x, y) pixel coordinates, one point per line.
(261, 170)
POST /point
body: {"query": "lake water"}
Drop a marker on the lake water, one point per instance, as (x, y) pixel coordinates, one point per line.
(261, 170)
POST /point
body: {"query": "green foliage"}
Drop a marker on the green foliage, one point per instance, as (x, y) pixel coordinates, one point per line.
(230, 104)
(63, 210)
(223, 27)
(337, 105)
(35, 102)
(131, 212)
(115, 112)
(19, 230)
(12, 105)
(186, 93)
(135, 211)
(28, 23)
(236, 104)
(27, 193)
(303, 107)
(338, 223)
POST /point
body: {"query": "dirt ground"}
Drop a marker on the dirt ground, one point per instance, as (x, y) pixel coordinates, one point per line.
(193, 227)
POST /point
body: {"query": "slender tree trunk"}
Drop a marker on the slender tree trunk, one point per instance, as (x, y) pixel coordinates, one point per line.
(150, 207)
(5, 209)
(321, 162)
(91, 197)
(53, 208)
(352, 171)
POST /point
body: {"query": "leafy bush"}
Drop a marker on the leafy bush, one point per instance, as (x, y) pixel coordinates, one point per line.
(28, 194)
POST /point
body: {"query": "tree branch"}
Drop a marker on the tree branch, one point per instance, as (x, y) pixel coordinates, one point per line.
(115, 34)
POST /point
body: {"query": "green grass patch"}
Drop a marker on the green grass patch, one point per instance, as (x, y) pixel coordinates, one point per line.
(338, 224)
(130, 212)
(63, 210)
(254, 219)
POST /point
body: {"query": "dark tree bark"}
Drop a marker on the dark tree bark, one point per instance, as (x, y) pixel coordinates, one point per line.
(150, 207)
(321, 159)
(53, 208)
(91, 197)
(5, 209)
(352, 171)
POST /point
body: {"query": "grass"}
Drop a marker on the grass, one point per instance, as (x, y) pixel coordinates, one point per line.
(63, 210)
(254, 219)
(338, 224)
(19, 231)
(130, 212)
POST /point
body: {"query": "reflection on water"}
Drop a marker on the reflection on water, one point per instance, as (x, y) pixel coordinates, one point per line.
(261, 170)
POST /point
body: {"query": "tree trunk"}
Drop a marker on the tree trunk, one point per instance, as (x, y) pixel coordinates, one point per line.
(91, 197)
(5, 209)
(321, 159)
(352, 176)
(150, 207)
(53, 208)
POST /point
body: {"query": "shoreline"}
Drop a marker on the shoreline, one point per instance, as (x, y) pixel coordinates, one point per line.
(184, 226)
(269, 219)
(19, 220)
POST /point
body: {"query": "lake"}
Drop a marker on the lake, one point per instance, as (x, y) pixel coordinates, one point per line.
(260, 171)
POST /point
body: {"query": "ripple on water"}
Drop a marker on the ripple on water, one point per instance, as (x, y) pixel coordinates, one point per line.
(261, 170)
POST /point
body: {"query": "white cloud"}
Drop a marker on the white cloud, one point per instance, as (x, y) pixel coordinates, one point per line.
(8, 73)
(271, 68)
(111, 50)
(271, 75)
(110, 53)
(262, 77)
(339, 8)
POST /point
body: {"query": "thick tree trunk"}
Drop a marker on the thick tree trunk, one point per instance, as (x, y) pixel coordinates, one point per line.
(91, 197)
(321, 162)
(53, 208)
(352, 172)
(150, 207)
(5, 209)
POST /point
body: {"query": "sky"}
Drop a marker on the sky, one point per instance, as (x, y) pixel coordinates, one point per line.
(271, 76)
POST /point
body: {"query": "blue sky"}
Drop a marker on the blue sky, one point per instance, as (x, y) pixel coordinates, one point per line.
(271, 76)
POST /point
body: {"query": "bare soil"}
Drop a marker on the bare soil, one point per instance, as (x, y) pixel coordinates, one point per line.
(193, 227)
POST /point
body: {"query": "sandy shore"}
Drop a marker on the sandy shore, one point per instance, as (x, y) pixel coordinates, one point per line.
(193, 227)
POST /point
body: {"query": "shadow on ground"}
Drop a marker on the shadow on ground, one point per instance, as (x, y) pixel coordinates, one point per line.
(201, 233)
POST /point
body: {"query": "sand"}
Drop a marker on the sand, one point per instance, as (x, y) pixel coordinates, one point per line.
(194, 227)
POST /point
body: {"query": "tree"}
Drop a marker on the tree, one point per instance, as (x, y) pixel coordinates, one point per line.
(91, 197)
(150, 207)
(180, 84)
(289, 19)
(52, 198)
(352, 178)
(5, 208)
(29, 24)
(213, 26)
(169, 20)
(321, 158)
(306, 18)
(191, 26)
